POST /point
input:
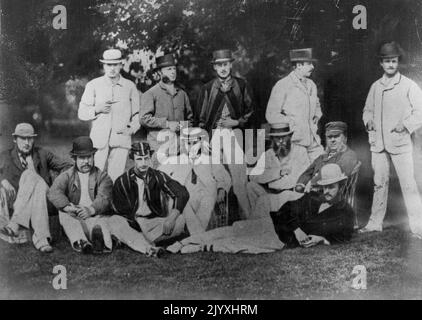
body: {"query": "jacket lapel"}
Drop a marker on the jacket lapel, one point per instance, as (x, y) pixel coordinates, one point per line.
(298, 83)
(16, 159)
(37, 160)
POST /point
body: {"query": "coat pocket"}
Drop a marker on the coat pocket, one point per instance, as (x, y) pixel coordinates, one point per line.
(400, 139)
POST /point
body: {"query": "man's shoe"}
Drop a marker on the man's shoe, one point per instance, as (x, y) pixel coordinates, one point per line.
(82, 246)
(367, 229)
(97, 239)
(46, 248)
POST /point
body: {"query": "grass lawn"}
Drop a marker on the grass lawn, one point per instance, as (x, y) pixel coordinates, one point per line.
(393, 261)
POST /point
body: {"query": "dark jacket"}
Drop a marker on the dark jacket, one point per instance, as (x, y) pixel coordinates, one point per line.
(335, 223)
(11, 167)
(347, 160)
(210, 103)
(125, 193)
(67, 188)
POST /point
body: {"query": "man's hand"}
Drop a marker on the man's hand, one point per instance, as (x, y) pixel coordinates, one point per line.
(301, 236)
(285, 172)
(221, 196)
(315, 119)
(229, 123)
(300, 188)
(399, 128)
(174, 126)
(170, 222)
(10, 190)
(370, 125)
(83, 212)
(126, 131)
(104, 107)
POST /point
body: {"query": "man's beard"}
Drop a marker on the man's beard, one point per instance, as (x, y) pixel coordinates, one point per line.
(282, 150)
(166, 80)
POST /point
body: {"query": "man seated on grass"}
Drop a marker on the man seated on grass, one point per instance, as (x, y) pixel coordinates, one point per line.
(25, 179)
(206, 182)
(144, 195)
(83, 196)
(309, 221)
(336, 151)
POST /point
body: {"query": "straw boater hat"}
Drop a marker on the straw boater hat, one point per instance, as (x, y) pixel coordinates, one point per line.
(390, 50)
(280, 130)
(112, 56)
(223, 55)
(302, 55)
(24, 130)
(82, 146)
(191, 133)
(331, 173)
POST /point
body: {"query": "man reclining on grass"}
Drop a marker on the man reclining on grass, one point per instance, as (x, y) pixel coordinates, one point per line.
(310, 220)
(82, 195)
(143, 196)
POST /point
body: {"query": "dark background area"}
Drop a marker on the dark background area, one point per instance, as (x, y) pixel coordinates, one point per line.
(43, 71)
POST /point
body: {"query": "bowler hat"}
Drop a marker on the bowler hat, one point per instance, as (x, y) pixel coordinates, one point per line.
(280, 129)
(302, 55)
(82, 146)
(140, 149)
(390, 50)
(221, 56)
(165, 61)
(112, 56)
(331, 173)
(24, 130)
(336, 127)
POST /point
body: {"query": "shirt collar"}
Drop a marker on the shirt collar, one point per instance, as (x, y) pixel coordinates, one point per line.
(390, 82)
(164, 87)
(119, 82)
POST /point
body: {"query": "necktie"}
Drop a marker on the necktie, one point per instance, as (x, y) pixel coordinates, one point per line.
(24, 162)
(194, 178)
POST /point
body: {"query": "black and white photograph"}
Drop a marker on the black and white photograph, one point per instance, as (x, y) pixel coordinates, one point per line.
(210, 150)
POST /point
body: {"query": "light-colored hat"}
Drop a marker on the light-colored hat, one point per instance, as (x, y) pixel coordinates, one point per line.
(112, 56)
(280, 129)
(24, 130)
(302, 55)
(192, 133)
(331, 173)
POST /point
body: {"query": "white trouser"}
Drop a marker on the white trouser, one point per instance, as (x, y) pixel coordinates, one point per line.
(403, 163)
(198, 210)
(30, 208)
(115, 158)
(307, 155)
(152, 228)
(233, 155)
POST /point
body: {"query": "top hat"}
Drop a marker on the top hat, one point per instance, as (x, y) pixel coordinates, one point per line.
(336, 127)
(280, 129)
(389, 50)
(165, 61)
(302, 55)
(140, 149)
(112, 56)
(190, 133)
(331, 173)
(82, 146)
(222, 56)
(24, 130)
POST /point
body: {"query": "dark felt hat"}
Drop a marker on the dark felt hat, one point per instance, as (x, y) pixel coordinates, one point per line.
(82, 146)
(336, 127)
(167, 60)
(222, 56)
(390, 50)
(140, 149)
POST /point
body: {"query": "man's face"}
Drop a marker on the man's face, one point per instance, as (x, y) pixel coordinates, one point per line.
(282, 145)
(305, 69)
(142, 163)
(84, 164)
(24, 144)
(169, 74)
(335, 141)
(331, 191)
(390, 66)
(112, 70)
(223, 69)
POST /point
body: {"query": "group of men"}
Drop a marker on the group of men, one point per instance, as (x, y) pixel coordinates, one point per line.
(293, 195)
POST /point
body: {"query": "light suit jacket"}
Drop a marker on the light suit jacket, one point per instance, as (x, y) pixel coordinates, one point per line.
(387, 105)
(213, 176)
(297, 103)
(124, 113)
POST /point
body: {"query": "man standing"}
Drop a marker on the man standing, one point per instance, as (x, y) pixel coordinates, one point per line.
(206, 182)
(111, 103)
(149, 198)
(83, 196)
(226, 105)
(294, 100)
(165, 107)
(25, 179)
(336, 151)
(393, 111)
